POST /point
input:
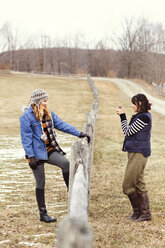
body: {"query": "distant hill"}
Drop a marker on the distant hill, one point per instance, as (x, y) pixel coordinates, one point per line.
(62, 60)
(98, 62)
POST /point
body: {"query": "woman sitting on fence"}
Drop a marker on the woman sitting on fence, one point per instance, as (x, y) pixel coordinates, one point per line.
(39, 142)
(137, 144)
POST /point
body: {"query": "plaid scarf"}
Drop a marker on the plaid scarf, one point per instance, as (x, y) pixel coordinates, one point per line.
(51, 142)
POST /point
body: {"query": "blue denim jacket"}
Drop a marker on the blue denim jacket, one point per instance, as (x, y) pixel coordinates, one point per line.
(31, 133)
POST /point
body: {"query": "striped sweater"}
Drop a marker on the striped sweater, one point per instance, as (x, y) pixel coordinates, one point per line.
(135, 127)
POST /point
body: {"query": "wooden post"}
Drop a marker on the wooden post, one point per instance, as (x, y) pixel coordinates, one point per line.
(74, 230)
(79, 155)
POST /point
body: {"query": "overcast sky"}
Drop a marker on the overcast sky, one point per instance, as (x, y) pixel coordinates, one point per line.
(93, 18)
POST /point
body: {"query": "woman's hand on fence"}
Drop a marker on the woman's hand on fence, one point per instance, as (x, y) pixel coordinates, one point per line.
(33, 164)
(84, 135)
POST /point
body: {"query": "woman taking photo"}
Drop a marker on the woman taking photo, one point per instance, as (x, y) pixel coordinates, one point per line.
(137, 144)
(39, 142)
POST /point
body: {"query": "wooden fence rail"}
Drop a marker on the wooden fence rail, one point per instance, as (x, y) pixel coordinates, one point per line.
(74, 230)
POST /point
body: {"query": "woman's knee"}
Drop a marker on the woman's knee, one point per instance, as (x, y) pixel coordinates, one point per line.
(128, 189)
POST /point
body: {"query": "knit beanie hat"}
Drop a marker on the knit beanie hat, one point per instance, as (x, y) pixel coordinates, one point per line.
(37, 96)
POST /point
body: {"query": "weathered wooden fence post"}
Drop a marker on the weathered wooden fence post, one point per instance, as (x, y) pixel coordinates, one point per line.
(74, 230)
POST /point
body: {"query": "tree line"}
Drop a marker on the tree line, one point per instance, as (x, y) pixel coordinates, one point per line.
(137, 52)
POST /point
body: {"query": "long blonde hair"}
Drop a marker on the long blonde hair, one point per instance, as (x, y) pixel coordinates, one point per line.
(46, 111)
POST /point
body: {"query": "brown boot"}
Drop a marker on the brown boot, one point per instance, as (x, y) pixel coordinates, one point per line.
(135, 203)
(145, 214)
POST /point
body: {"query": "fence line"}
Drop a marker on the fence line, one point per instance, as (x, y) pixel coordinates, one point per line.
(159, 88)
(5, 71)
(93, 87)
(46, 74)
(64, 74)
(74, 230)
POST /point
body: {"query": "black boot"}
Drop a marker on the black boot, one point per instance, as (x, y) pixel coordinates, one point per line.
(66, 178)
(45, 217)
(40, 197)
(135, 203)
(145, 214)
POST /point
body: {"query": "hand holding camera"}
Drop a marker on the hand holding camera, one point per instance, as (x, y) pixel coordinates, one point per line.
(119, 110)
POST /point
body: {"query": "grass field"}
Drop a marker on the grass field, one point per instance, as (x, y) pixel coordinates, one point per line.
(109, 207)
(70, 99)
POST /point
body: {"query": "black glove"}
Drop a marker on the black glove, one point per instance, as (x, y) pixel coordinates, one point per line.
(33, 163)
(83, 135)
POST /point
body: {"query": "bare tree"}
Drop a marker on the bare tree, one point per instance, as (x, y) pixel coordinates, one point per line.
(10, 42)
(141, 43)
(127, 42)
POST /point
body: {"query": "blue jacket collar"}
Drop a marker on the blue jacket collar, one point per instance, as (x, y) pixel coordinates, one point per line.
(31, 109)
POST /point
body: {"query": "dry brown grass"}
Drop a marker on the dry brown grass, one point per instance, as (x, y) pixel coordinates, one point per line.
(108, 206)
(68, 97)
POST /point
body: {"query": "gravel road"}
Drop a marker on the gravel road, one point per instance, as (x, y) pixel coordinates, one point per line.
(131, 88)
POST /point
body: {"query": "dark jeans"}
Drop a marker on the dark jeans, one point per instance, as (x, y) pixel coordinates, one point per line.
(55, 159)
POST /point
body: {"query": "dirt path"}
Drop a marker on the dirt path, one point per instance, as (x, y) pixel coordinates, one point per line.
(131, 88)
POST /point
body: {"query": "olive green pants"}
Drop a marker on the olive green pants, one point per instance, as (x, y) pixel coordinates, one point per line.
(134, 174)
